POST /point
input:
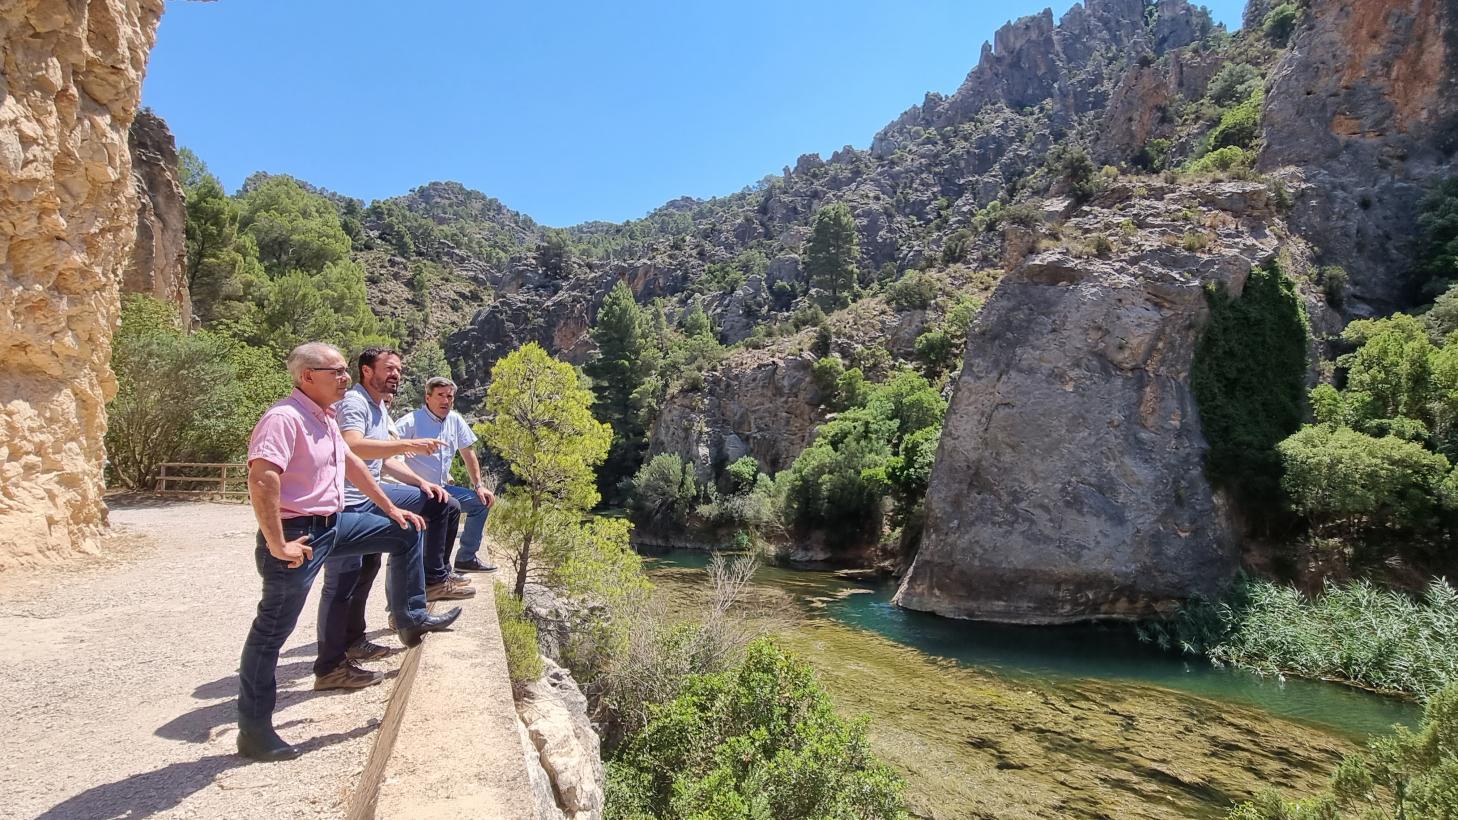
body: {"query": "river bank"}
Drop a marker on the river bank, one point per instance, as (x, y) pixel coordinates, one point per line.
(990, 722)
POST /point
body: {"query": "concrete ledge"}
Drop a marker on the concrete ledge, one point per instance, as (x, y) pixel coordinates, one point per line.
(456, 751)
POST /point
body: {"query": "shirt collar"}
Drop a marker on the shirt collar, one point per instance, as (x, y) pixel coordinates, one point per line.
(302, 399)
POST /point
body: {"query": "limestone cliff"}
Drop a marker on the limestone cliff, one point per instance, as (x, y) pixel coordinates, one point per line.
(159, 258)
(1364, 105)
(1068, 483)
(71, 84)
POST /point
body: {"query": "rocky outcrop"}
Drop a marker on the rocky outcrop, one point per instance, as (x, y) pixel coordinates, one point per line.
(760, 405)
(1365, 105)
(1069, 479)
(159, 257)
(556, 313)
(71, 84)
(563, 744)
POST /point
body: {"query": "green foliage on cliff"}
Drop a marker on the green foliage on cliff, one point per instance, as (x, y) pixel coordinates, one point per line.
(864, 455)
(759, 740)
(1239, 125)
(1348, 482)
(832, 254)
(1248, 378)
(1411, 775)
(1280, 22)
(618, 371)
(519, 636)
(1437, 247)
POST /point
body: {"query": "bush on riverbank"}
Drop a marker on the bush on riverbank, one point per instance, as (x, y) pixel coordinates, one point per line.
(1383, 639)
(760, 740)
(1412, 775)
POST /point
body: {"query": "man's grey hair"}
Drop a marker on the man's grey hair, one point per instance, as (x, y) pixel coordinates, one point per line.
(436, 382)
(307, 355)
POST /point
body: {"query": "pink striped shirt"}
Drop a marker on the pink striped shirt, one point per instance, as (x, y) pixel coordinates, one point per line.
(302, 439)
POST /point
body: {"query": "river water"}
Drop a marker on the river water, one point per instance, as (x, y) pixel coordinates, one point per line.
(996, 721)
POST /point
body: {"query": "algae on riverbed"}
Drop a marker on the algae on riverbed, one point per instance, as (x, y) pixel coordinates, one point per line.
(976, 744)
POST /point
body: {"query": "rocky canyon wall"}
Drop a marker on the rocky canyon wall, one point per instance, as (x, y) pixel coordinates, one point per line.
(71, 83)
(1365, 106)
(159, 257)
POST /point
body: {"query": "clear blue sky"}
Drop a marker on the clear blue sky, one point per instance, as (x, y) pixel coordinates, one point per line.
(565, 111)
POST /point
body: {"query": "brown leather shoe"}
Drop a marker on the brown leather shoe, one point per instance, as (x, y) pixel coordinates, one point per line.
(449, 590)
(347, 675)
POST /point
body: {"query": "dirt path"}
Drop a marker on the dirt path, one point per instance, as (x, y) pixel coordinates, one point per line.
(119, 678)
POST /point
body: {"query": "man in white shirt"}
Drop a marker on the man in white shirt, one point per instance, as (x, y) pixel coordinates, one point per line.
(437, 420)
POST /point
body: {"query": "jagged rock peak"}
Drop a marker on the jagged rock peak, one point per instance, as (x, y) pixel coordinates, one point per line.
(1034, 58)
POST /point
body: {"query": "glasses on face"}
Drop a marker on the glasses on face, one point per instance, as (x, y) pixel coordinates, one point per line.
(339, 372)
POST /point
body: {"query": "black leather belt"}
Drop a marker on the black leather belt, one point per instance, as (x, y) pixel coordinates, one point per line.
(311, 521)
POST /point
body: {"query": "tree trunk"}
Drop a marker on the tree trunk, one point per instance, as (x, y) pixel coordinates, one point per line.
(526, 550)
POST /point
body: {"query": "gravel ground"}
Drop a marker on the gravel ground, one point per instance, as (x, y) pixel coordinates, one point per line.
(120, 673)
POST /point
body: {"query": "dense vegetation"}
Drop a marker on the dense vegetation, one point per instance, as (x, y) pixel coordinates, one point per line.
(1411, 775)
(1378, 638)
(700, 731)
(759, 740)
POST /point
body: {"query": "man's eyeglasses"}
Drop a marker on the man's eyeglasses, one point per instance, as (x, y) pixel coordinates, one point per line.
(339, 372)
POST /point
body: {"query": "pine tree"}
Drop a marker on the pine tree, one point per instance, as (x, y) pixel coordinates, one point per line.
(617, 371)
(832, 253)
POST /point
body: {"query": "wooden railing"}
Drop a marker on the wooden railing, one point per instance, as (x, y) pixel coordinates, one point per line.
(228, 481)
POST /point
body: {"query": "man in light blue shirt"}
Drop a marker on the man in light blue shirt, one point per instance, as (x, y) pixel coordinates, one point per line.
(436, 420)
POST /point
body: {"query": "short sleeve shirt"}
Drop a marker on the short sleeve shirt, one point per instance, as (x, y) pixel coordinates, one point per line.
(452, 429)
(303, 441)
(357, 411)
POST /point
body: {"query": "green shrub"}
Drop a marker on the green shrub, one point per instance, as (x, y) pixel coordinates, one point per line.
(1340, 477)
(1195, 241)
(1239, 125)
(1232, 83)
(760, 740)
(664, 490)
(1333, 281)
(937, 349)
(519, 635)
(1249, 378)
(1222, 160)
(914, 291)
(1436, 259)
(1280, 22)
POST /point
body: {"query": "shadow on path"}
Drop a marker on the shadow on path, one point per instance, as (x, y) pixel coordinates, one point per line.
(197, 726)
(146, 794)
(227, 686)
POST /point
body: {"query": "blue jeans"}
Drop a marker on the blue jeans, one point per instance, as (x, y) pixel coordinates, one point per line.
(285, 590)
(348, 580)
(475, 527)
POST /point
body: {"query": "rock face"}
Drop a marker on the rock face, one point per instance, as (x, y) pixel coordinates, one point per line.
(159, 257)
(553, 713)
(1366, 104)
(763, 406)
(1068, 483)
(72, 81)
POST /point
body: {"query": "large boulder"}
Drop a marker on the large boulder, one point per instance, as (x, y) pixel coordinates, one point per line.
(1068, 483)
(553, 713)
(72, 82)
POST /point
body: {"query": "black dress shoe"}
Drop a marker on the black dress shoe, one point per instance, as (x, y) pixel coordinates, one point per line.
(411, 635)
(475, 565)
(264, 744)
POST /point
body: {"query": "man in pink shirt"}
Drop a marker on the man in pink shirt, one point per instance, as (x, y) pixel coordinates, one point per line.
(297, 464)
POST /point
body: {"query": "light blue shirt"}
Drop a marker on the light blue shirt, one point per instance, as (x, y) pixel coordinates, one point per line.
(453, 430)
(357, 411)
